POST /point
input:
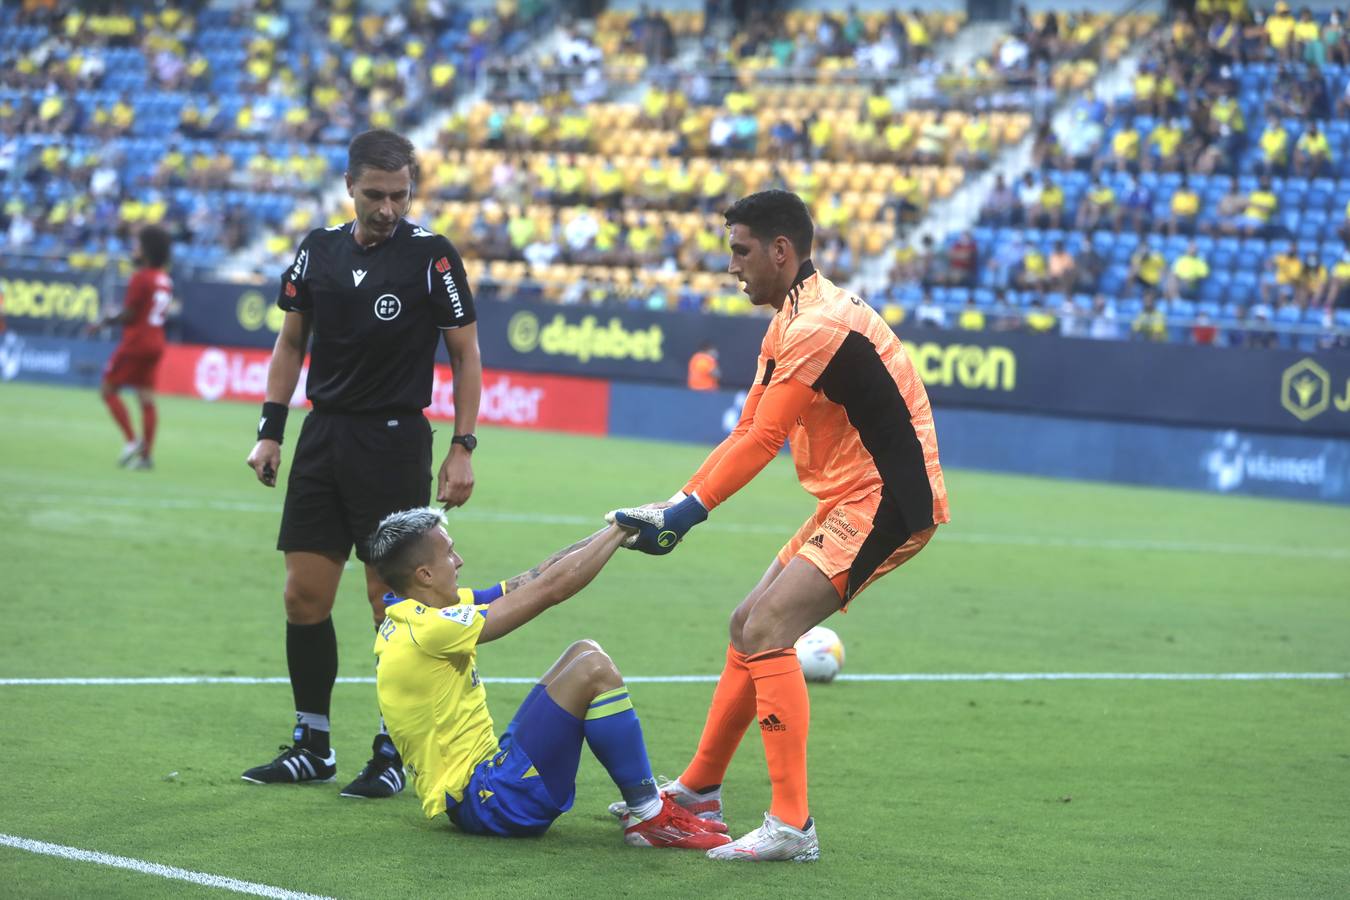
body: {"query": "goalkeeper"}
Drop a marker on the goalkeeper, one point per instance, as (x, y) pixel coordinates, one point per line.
(435, 705)
(834, 381)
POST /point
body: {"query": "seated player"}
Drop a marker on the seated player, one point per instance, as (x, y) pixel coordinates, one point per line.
(435, 705)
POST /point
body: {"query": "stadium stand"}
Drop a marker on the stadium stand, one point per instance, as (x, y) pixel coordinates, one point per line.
(587, 161)
(1166, 212)
(214, 122)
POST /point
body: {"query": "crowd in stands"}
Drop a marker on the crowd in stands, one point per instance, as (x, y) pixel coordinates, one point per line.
(1210, 203)
(1041, 59)
(214, 122)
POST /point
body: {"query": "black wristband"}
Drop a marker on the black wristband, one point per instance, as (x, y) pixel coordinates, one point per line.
(272, 425)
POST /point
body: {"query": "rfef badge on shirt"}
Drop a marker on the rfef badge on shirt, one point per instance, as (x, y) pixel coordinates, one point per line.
(376, 314)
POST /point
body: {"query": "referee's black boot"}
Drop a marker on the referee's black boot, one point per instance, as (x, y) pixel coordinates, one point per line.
(295, 764)
(382, 776)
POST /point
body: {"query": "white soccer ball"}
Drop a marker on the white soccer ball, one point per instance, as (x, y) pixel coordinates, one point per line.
(821, 654)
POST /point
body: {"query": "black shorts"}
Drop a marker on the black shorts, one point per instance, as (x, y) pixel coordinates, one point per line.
(350, 471)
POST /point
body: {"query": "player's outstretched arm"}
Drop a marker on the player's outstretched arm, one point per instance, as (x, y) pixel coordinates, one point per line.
(747, 419)
(283, 374)
(551, 582)
(739, 459)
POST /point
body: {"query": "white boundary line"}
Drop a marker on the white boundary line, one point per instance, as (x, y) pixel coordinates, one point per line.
(704, 679)
(1128, 545)
(148, 868)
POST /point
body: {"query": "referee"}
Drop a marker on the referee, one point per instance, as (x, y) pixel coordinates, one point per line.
(373, 295)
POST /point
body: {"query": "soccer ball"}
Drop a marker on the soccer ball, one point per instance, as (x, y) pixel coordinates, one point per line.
(821, 654)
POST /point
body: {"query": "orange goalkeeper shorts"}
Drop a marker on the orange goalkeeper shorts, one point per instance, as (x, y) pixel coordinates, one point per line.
(841, 541)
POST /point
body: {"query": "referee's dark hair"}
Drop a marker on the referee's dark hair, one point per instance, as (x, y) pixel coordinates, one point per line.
(398, 545)
(772, 214)
(380, 149)
(155, 246)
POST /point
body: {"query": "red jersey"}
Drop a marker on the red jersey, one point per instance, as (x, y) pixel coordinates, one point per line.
(149, 294)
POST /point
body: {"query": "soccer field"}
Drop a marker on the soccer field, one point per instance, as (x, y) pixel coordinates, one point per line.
(1085, 787)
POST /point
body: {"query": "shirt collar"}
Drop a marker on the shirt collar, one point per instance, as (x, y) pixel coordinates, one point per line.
(794, 294)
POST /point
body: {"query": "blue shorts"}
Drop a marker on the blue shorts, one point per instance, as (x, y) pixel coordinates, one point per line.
(530, 780)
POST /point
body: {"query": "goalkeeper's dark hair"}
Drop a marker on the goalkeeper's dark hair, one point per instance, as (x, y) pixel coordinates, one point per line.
(772, 214)
(380, 149)
(155, 246)
(398, 546)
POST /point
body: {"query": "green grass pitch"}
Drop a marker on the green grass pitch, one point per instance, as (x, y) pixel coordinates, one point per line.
(1031, 789)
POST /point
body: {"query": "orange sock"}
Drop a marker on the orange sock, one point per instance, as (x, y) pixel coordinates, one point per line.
(784, 711)
(732, 711)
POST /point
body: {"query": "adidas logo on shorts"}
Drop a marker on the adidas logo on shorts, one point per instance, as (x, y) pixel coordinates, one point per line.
(817, 541)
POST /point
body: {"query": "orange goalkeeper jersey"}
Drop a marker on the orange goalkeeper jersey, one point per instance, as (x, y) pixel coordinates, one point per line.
(835, 381)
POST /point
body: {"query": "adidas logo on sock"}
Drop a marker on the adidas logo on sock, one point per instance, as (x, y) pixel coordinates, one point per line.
(771, 723)
(817, 541)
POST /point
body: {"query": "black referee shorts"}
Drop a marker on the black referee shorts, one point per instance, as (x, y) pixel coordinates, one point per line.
(350, 471)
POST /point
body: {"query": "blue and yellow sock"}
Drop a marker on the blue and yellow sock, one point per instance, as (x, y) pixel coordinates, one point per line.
(615, 735)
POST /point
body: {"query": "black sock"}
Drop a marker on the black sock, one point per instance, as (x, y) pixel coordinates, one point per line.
(311, 658)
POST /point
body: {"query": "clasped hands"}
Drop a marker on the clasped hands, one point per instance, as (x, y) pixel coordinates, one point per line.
(659, 526)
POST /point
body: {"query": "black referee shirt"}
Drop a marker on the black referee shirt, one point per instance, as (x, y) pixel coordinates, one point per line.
(376, 313)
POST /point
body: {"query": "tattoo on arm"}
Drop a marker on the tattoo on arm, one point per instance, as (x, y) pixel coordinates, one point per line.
(525, 578)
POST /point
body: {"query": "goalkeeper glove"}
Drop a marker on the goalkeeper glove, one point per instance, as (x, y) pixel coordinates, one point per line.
(659, 530)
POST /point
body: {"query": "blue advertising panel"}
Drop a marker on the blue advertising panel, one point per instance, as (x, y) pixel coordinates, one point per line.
(673, 414)
(1270, 390)
(228, 315)
(1224, 461)
(1282, 391)
(26, 357)
(615, 343)
(1265, 390)
(1219, 460)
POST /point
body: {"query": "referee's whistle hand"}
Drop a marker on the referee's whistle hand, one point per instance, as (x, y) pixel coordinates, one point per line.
(265, 461)
(454, 483)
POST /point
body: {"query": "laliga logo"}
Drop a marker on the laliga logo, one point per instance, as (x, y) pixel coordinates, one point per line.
(213, 374)
(223, 374)
(11, 356)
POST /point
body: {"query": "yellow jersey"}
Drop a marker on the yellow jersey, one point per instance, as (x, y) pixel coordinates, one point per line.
(1315, 145)
(1125, 144)
(1149, 265)
(1275, 145)
(1261, 205)
(1103, 196)
(1167, 139)
(1185, 203)
(1280, 28)
(434, 703)
(1151, 325)
(970, 320)
(1190, 268)
(1288, 268)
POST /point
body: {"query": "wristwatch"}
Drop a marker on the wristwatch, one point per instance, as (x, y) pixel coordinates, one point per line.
(467, 441)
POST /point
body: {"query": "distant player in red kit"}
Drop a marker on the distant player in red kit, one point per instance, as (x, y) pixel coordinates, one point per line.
(136, 360)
